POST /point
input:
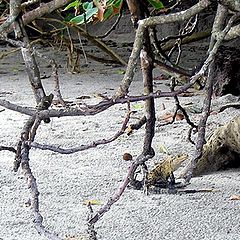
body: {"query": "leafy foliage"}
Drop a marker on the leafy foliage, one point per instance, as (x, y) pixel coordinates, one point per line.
(157, 4)
(94, 10)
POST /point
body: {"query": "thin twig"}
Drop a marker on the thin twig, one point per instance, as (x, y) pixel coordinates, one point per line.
(11, 149)
(87, 146)
(55, 76)
(101, 106)
(116, 196)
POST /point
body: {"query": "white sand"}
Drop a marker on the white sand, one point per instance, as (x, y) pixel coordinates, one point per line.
(65, 181)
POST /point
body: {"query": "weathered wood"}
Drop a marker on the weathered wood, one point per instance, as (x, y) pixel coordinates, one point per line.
(222, 149)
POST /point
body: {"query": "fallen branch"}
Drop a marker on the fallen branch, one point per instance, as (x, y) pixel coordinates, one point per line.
(99, 107)
(188, 170)
(87, 146)
(116, 196)
(11, 149)
(143, 24)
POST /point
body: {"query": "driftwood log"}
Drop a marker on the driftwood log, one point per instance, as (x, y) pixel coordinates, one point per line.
(222, 149)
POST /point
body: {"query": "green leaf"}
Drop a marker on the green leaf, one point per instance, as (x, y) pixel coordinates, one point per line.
(80, 19)
(87, 6)
(91, 12)
(137, 106)
(108, 13)
(157, 4)
(121, 71)
(118, 3)
(110, 2)
(74, 4)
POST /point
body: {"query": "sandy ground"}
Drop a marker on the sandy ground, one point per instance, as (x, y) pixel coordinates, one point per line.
(66, 181)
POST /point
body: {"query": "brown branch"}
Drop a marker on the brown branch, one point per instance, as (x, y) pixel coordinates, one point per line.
(147, 68)
(31, 66)
(137, 125)
(43, 9)
(188, 170)
(230, 105)
(183, 32)
(87, 146)
(176, 72)
(193, 38)
(25, 136)
(22, 159)
(55, 76)
(148, 152)
(143, 24)
(91, 231)
(218, 25)
(96, 58)
(116, 196)
(178, 107)
(34, 193)
(28, 17)
(97, 42)
(11, 149)
(94, 109)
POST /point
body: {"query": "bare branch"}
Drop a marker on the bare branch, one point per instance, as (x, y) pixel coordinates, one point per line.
(43, 9)
(15, 9)
(143, 24)
(218, 24)
(34, 194)
(11, 149)
(87, 146)
(29, 2)
(116, 196)
(55, 76)
(188, 170)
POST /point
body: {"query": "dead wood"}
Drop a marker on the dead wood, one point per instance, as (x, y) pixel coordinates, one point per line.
(222, 149)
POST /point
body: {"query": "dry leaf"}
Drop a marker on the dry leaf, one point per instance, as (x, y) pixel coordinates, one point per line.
(235, 197)
(168, 117)
(92, 202)
(179, 117)
(162, 148)
(213, 113)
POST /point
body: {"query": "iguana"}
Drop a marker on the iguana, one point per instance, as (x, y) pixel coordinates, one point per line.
(163, 171)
